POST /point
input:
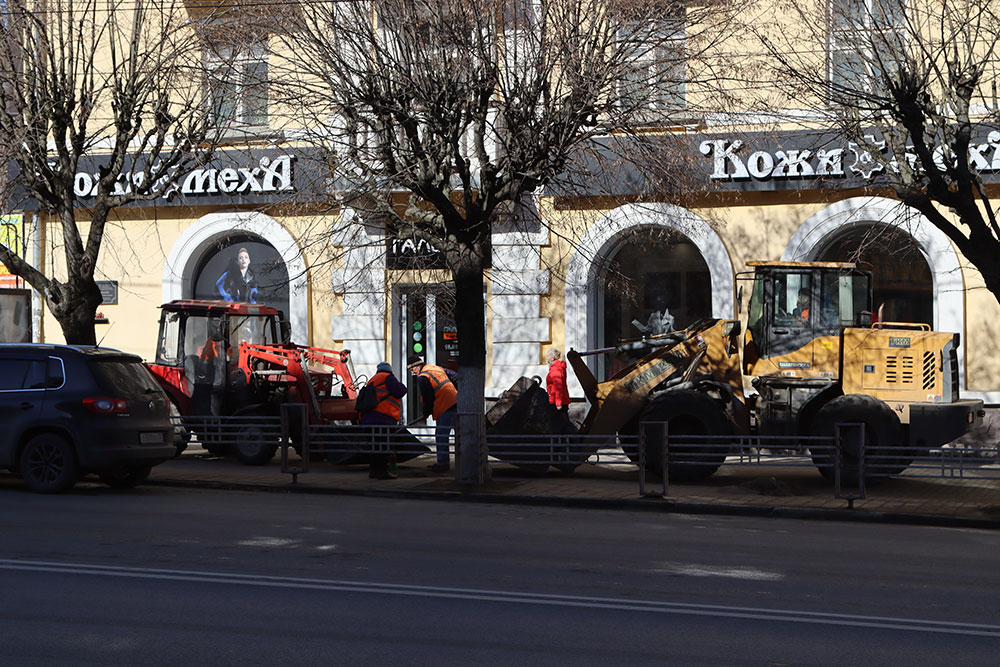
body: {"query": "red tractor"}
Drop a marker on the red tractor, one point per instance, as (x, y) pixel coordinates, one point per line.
(223, 359)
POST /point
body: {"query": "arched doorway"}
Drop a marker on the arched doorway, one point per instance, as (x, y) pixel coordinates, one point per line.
(655, 280)
(200, 240)
(651, 276)
(218, 274)
(901, 278)
(585, 289)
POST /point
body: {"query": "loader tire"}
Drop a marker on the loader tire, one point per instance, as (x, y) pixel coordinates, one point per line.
(686, 413)
(884, 449)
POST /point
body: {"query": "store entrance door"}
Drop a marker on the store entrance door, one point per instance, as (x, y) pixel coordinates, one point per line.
(426, 328)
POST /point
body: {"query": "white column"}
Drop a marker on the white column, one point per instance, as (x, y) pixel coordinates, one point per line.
(360, 281)
(518, 283)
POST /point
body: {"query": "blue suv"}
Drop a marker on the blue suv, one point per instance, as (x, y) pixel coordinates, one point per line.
(67, 410)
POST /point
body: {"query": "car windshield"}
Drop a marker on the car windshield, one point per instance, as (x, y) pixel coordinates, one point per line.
(122, 377)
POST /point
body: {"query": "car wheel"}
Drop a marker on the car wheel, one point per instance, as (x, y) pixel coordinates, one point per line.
(125, 477)
(48, 465)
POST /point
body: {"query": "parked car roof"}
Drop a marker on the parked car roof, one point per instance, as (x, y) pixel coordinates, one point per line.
(87, 350)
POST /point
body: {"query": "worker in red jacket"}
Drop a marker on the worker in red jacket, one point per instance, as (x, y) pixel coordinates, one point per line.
(555, 381)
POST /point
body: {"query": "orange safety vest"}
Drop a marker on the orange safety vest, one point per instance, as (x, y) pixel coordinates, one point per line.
(387, 403)
(445, 393)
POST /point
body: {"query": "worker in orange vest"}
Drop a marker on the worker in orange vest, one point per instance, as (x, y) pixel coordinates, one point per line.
(388, 411)
(439, 398)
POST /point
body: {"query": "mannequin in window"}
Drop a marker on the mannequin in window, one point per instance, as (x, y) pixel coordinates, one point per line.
(659, 322)
(237, 283)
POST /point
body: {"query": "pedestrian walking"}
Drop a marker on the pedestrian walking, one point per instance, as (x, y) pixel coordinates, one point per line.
(386, 413)
(439, 398)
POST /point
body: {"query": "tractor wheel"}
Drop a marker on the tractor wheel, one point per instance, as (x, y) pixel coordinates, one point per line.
(255, 445)
(686, 413)
(884, 451)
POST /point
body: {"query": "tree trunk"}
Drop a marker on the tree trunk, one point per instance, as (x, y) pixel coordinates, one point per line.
(76, 310)
(472, 465)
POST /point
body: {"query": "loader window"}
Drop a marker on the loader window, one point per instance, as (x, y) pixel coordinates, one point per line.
(167, 345)
(253, 329)
(843, 297)
(197, 331)
(755, 313)
(792, 299)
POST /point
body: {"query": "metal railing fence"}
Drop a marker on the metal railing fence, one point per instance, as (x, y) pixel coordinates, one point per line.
(654, 452)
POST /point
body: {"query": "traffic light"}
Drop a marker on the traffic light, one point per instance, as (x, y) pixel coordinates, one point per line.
(417, 336)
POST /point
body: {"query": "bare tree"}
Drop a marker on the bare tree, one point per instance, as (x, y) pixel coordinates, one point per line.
(101, 107)
(439, 117)
(915, 84)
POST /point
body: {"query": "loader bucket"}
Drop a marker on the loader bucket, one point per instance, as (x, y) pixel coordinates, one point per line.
(520, 425)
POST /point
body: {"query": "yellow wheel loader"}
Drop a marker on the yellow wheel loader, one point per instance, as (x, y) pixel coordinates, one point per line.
(813, 358)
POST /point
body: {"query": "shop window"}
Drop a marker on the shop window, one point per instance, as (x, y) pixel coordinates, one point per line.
(243, 268)
(15, 315)
(655, 281)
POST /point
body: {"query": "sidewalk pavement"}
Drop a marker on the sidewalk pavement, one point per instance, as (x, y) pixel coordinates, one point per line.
(758, 490)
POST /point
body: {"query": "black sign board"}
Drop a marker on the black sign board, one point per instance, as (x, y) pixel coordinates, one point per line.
(412, 254)
(109, 292)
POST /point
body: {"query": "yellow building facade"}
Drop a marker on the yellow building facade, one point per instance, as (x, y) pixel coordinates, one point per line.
(575, 269)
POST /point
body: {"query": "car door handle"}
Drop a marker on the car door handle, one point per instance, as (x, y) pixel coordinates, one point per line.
(782, 331)
(26, 406)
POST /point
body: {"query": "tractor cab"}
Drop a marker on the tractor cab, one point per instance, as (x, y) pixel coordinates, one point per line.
(198, 345)
(796, 314)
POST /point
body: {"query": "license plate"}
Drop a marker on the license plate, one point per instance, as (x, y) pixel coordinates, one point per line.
(151, 438)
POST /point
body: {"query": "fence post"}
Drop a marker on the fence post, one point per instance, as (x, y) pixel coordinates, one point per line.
(661, 442)
(849, 435)
(293, 417)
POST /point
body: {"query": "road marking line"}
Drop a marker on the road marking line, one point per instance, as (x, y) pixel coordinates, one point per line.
(621, 604)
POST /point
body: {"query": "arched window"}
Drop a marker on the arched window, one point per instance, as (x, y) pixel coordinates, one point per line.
(901, 278)
(221, 274)
(656, 280)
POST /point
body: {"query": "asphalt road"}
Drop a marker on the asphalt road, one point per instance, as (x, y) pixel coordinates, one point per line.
(166, 576)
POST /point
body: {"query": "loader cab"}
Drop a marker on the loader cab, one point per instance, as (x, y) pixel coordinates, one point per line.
(187, 327)
(796, 313)
(198, 344)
